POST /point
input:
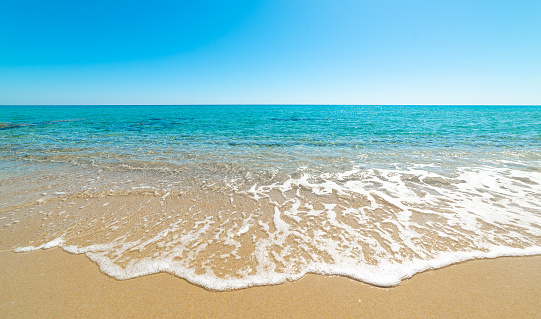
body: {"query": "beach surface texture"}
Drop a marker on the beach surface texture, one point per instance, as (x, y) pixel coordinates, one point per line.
(250, 211)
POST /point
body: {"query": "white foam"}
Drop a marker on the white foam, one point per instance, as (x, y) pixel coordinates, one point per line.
(53, 243)
(404, 221)
(244, 228)
(385, 274)
(279, 223)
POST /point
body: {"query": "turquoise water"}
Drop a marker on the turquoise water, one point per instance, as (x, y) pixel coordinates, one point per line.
(284, 137)
(376, 193)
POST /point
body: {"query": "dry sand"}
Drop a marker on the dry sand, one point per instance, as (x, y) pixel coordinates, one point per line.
(55, 284)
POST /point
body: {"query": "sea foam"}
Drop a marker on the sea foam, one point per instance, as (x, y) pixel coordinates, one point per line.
(379, 226)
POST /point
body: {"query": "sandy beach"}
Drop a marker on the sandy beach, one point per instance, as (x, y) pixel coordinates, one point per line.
(270, 159)
(53, 283)
(277, 211)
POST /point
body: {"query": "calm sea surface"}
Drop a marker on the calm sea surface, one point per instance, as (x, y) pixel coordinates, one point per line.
(234, 196)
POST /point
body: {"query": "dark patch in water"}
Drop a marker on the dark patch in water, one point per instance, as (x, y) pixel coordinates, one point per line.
(54, 122)
(7, 126)
(158, 123)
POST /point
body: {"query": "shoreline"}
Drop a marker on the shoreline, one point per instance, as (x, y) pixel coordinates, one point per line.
(54, 283)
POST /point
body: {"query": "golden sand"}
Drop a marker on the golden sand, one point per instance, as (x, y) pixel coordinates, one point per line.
(55, 284)
(233, 236)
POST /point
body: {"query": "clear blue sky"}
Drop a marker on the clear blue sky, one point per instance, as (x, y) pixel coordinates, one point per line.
(276, 51)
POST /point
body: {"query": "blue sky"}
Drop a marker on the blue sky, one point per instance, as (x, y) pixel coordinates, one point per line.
(270, 52)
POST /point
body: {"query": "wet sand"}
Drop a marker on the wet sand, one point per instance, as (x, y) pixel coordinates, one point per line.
(55, 284)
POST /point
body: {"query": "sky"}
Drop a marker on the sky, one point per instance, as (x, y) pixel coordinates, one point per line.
(270, 52)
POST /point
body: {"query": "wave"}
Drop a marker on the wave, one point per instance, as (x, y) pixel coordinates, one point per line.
(379, 226)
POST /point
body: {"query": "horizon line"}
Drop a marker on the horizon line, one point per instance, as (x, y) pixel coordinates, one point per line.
(270, 104)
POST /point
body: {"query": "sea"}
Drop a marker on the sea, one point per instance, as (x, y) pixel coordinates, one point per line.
(233, 196)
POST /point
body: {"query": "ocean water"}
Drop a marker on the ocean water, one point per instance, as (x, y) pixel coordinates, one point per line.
(229, 197)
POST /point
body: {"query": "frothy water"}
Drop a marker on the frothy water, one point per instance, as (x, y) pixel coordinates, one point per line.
(232, 197)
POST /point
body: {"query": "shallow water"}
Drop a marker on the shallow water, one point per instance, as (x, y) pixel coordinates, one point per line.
(234, 196)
